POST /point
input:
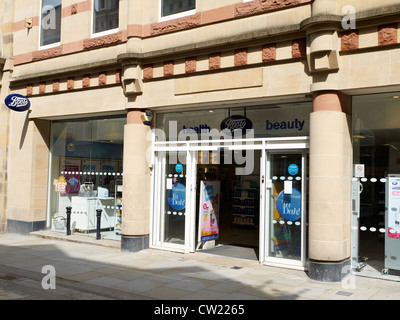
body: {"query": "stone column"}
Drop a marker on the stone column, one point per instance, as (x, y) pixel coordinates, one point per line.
(330, 186)
(136, 185)
(27, 174)
(4, 137)
(321, 7)
(6, 68)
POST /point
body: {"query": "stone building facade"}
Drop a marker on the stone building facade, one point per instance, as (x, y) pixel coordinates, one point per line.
(197, 56)
(6, 54)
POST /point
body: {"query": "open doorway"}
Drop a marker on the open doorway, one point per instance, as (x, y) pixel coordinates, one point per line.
(238, 206)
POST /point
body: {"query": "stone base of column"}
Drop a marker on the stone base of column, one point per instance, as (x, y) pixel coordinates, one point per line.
(24, 227)
(134, 244)
(328, 271)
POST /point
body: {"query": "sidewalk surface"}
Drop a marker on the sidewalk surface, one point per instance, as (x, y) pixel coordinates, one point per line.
(86, 270)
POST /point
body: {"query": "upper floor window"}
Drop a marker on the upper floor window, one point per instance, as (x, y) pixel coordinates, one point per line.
(105, 15)
(176, 7)
(50, 22)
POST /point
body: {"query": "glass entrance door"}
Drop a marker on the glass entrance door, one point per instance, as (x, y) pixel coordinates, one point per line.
(268, 202)
(173, 188)
(285, 207)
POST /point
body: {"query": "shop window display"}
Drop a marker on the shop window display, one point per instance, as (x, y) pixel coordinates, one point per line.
(86, 173)
(376, 147)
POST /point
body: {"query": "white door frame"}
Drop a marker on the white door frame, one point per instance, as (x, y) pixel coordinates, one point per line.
(265, 225)
(158, 200)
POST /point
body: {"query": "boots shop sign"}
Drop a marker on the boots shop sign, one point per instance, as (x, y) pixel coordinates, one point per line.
(236, 122)
(17, 102)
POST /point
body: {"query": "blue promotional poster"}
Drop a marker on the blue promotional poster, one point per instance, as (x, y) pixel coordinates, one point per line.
(289, 205)
(177, 197)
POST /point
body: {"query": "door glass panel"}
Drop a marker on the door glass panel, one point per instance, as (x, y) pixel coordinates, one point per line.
(285, 211)
(173, 208)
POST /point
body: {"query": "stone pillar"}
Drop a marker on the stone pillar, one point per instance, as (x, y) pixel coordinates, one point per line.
(27, 174)
(4, 137)
(321, 7)
(330, 186)
(136, 185)
(6, 68)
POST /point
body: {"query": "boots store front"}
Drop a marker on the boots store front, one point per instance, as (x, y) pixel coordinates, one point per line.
(233, 181)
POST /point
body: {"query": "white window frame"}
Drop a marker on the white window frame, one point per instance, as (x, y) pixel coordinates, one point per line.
(174, 16)
(102, 33)
(51, 45)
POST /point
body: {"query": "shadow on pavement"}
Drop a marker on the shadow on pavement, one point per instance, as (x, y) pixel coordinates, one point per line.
(89, 272)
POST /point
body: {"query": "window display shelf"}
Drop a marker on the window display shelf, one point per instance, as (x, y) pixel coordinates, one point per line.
(84, 210)
(243, 219)
(83, 213)
(245, 193)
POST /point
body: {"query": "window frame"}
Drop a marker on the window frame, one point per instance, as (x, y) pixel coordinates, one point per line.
(40, 33)
(174, 15)
(101, 33)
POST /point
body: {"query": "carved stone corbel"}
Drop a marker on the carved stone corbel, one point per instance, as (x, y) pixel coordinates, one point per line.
(132, 82)
(323, 51)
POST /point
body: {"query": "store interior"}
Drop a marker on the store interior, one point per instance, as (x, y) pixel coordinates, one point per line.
(238, 219)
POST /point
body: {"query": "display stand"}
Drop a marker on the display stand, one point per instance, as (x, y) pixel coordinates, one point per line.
(209, 206)
(392, 224)
(83, 214)
(245, 200)
(84, 205)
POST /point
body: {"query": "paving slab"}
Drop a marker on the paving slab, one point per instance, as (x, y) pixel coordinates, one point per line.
(87, 270)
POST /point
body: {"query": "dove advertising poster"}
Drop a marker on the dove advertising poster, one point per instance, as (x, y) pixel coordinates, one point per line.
(209, 210)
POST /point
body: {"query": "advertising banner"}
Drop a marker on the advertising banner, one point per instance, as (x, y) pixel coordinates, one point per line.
(209, 210)
(71, 169)
(285, 121)
(394, 208)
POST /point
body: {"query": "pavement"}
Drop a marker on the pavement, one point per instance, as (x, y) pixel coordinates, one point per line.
(82, 268)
